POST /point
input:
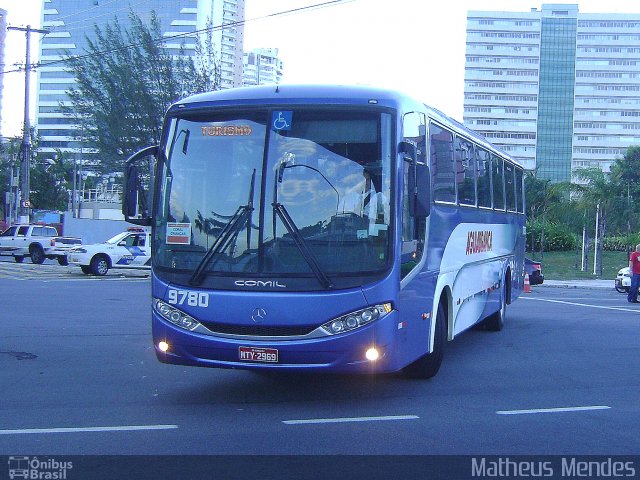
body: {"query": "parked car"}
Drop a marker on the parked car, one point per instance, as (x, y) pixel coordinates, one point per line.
(38, 242)
(534, 269)
(130, 249)
(623, 280)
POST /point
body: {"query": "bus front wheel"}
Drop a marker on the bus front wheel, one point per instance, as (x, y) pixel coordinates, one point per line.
(429, 364)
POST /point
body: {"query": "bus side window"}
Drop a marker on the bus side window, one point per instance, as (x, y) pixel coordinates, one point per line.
(413, 229)
(509, 186)
(465, 172)
(483, 162)
(442, 166)
(498, 182)
(519, 190)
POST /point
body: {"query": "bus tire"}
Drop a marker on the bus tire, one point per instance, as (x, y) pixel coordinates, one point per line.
(495, 322)
(429, 364)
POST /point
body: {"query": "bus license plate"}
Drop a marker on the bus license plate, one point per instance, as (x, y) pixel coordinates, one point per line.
(253, 354)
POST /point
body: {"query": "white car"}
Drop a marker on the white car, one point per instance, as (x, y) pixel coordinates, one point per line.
(623, 280)
(130, 249)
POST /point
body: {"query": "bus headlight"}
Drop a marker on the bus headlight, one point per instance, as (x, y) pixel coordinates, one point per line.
(174, 315)
(357, 319)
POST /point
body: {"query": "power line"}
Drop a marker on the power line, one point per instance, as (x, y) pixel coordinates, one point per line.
(317, 6)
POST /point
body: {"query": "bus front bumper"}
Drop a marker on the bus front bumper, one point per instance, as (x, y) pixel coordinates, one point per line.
(345, 353)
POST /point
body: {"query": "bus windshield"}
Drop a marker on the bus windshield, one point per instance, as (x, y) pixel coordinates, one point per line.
(300, 192)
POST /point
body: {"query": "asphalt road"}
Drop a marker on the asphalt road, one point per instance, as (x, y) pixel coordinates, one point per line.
(79, 376)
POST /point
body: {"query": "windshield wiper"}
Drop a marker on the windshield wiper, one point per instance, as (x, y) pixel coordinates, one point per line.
(301, 243)
(290, 225)
(228, 233)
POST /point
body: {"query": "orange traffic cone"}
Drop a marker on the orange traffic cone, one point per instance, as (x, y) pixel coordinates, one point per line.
(527, 285)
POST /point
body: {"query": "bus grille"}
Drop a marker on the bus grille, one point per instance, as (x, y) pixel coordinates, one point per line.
(259, 330)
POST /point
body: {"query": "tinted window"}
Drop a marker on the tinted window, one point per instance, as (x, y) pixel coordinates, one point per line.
(483, 165)
(465, 172)
(498, 183)
(519, 186)
(442, 167)
(22, 231)
(509, 186)
(9, 232)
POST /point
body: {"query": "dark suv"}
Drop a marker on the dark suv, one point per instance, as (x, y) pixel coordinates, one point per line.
(534, 269)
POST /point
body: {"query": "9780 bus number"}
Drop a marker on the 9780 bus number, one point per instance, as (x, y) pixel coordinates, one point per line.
(188, 297)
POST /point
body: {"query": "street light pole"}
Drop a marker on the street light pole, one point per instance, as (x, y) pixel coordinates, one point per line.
(26, 134)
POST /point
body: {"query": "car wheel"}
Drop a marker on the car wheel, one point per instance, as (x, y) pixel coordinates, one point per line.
(63, 260)
(621, 289)
(37, 254)
(429, 364)
(99, 265)
(86, 269)
(18, 259)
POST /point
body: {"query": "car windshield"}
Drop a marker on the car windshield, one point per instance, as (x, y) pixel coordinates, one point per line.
(309, 196)
(117, 238)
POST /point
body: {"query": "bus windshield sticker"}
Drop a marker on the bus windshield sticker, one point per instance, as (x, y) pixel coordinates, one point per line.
(281, 120)
(226, 130)
(178, 233)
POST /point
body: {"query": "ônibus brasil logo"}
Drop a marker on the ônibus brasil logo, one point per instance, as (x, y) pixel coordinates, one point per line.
(38, 469)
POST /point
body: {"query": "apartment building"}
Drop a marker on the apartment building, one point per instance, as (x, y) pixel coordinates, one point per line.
(556, 88)
(262, 67)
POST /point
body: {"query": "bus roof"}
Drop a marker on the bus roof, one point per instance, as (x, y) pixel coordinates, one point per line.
(330, 94)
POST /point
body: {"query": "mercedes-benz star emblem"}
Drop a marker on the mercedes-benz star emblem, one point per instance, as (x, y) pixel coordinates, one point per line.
(258, 315)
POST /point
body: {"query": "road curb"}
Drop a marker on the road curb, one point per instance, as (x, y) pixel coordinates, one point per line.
(584, 285)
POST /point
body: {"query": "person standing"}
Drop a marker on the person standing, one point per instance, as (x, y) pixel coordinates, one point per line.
(634, 270)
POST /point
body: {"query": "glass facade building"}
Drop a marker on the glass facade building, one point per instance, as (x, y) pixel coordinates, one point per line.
(557, 89)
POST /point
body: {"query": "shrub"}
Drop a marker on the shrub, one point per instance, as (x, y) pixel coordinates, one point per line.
(623, 243)
(556, 236)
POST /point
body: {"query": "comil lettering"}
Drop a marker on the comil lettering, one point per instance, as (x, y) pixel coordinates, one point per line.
(226, 131)
(478, 242)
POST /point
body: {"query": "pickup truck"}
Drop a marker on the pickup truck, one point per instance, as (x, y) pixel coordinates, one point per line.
(37, 242)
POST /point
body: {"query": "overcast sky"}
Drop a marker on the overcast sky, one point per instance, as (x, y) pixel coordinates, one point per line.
(409, 45)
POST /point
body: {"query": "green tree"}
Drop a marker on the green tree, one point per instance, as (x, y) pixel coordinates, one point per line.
(600, 192)
(125, 83)
(545, 202)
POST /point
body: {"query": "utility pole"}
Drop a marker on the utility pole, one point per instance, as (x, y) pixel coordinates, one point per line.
(25, 204)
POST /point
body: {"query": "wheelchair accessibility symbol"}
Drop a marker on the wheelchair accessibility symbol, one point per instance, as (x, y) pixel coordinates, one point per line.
(282, 120)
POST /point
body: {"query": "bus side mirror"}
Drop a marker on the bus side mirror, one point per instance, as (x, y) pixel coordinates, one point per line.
(138, 187)
(409, 151)
(420, 185)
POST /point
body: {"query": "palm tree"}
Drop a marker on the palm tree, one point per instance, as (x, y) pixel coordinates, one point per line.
(204, 225)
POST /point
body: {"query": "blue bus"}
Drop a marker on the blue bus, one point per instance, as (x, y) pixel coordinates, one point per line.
(324, 228)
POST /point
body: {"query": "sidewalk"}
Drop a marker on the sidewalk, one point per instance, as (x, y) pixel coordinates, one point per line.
(583, 284)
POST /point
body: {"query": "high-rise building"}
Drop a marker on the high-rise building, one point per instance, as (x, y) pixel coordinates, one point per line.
(3, 30)
(557, 89)
(71, 21)
(262, 67)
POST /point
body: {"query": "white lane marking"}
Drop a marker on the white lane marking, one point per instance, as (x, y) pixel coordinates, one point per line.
(553, 410)
(123, 428)
(583, 305)
(352, 419)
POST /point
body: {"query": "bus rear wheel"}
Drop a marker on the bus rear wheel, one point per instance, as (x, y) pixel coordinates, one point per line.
(429, 364)
(495, 322)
